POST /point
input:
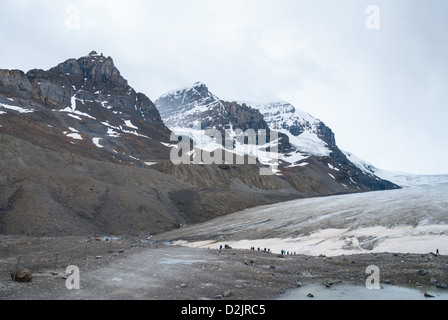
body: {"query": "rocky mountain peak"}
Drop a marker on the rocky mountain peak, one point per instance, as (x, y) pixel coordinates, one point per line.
(97, 69)
(189, 97)
(87, 100)
(93, 73)
(94, 53)
(186, 108)
(86, 77)
(200, 85)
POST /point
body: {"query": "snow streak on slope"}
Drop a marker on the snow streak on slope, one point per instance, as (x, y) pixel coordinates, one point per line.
(15, 108)
(410, 220)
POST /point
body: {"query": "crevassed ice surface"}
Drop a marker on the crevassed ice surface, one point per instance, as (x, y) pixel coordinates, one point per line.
(410, 220)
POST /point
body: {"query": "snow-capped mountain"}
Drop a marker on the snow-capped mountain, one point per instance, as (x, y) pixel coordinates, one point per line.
(191, 111)
(402, 179)
(302, 136)
(306, 146)
(191, 104)
(308, 135)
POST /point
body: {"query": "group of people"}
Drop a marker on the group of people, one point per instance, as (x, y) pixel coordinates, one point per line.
(287, 252)
(259, 249)
(283, 252)
(267, 250)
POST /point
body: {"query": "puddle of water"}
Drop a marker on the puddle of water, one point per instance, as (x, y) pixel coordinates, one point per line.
(359, 292)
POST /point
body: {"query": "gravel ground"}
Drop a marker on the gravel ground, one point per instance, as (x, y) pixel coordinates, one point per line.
(132, 269)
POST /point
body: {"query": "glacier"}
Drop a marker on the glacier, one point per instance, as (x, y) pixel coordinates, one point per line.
(408, 220)
(402, 179)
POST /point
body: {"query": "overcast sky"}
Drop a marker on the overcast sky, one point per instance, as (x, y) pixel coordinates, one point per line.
(383, 89)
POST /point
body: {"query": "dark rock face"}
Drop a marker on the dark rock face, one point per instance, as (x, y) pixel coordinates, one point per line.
(327, 135)
(14, 83)
(45, 192)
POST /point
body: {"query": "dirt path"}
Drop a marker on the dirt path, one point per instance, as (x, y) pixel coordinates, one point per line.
(139, 271)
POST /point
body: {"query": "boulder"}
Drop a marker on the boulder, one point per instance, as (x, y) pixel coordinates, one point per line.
(442, 285)
(422, 272)
(22, 275)
(227, 293)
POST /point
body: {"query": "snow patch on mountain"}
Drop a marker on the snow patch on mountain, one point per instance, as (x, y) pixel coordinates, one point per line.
(129, 124)
(16, 108)
(72, 112)
(96, 142)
